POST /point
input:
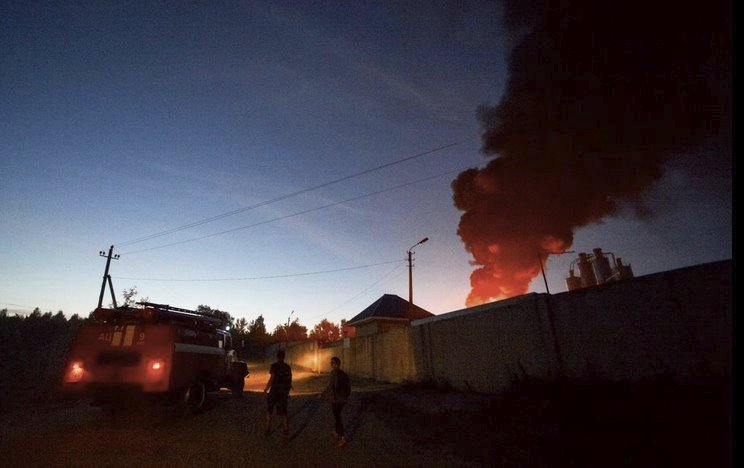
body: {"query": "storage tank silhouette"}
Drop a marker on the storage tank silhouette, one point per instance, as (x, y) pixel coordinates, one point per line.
(586, 271)
(573, 282)
(595, 268)
(624, 271)
(601, 265)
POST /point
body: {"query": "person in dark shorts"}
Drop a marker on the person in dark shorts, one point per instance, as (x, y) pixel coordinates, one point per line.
(278, 387)
(338, 391)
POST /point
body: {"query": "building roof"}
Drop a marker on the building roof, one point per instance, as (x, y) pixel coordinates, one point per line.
(390, 306)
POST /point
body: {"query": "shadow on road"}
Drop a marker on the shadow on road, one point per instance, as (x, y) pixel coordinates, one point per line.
(306, 413)
(309, 408)
(356, 418)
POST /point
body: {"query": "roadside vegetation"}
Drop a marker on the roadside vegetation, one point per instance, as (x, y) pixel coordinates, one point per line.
(33, 349)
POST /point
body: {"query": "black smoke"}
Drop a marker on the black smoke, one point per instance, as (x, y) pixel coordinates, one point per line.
(601, 98)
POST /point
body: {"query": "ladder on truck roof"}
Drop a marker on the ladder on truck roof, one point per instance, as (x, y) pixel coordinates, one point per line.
(179, 312)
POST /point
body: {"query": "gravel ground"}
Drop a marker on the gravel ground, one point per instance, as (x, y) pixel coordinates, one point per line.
(535, 424)
(229, 432)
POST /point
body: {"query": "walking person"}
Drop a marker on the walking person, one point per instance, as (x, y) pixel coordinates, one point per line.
(278, 387)
(338, 391)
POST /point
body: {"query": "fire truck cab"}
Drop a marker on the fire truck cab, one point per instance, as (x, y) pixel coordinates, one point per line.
(153, 351)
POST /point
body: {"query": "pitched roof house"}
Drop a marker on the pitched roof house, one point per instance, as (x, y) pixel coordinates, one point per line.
(387, 312)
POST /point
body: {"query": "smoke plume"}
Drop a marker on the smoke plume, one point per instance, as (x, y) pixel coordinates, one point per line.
(601, 97)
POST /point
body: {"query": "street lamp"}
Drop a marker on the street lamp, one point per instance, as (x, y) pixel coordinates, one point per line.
(539, 260)
(410, 269)
(286, 329)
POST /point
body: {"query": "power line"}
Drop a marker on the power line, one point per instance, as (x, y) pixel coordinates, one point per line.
(247, 278)
(289, 195)
(21, 306)
(359, 197)
(389, 273)
(327, 314)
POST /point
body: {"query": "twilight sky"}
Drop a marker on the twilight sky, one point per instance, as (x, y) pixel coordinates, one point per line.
(119, 121)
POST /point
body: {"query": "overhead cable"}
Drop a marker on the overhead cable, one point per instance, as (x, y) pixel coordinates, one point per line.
(289, 195)
(385, 277)
(359, 197)
(247, 278)
(388, 274)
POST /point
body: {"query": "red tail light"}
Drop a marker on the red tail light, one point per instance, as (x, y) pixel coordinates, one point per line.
(155, 366)
(75, 372)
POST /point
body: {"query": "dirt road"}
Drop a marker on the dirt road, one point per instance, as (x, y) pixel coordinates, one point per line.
(535, 424)
(229, 432)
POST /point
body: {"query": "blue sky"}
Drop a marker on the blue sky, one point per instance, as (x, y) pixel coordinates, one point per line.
(119, 120)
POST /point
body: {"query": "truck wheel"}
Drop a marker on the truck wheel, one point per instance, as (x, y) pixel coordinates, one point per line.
(237, 387)
(195, 396)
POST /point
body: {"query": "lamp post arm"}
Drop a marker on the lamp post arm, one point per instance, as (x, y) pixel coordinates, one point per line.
(410, 268)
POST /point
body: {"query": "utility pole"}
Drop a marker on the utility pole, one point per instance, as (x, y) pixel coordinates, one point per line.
(107, 277)
(551, 317)
(539, 260)
(410, 278)
(410, 269)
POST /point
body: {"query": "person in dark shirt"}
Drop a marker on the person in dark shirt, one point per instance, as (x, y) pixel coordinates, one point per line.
(338, 391)
(278, 387)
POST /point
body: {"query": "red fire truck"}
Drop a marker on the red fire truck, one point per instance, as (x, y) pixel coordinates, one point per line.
(154, 351)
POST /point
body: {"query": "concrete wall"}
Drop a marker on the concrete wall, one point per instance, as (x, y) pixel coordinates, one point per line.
(384, 356)
(367, 329)
(676, 322)
(484, 347)
(380, 326)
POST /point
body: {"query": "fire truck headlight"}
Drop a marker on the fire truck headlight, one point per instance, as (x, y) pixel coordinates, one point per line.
(75, 372)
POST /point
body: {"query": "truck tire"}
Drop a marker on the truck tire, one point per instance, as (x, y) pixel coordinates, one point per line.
(194, 397)
(238, 372)
(237, 387)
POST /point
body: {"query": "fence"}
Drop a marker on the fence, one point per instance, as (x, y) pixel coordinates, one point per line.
(677, 322)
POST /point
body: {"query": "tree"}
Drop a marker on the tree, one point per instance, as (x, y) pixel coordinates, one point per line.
(239, 334)
(130, 297)
(293, 332)
(220, 314)
(241, 326)
(346, 330)
(253, 341)
(59, 317)
(34, 350)
(325, 332)
(257, 327)
(257, 334)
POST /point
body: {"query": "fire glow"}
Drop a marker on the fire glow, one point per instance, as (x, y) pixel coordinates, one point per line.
(589, 120)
